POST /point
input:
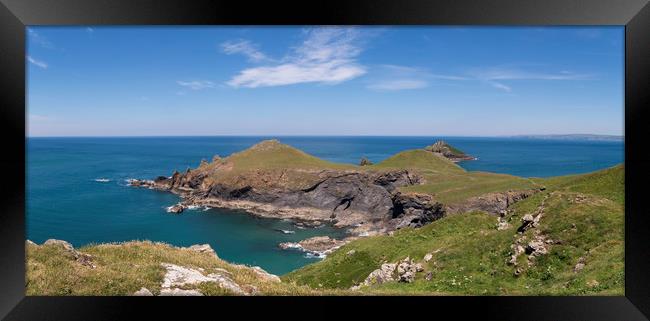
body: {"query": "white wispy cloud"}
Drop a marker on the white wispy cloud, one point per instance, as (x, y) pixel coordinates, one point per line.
(498, 73)
(328, 55)
(495, 76)
(245, 48)
(394, 77)
(38, 63)
(500, 86)
(399, 84)
(40, 40)
(196, 84)
(90, 30)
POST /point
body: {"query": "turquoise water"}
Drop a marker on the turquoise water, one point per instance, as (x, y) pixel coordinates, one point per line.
(65, 200)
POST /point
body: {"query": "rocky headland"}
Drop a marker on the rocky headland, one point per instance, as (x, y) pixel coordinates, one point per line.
(274, 180)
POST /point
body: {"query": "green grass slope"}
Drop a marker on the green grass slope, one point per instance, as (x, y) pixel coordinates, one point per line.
(271, 154)
(583, 215)
(448, 182)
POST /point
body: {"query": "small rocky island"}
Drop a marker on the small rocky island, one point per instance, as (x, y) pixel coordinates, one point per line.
(455, 155)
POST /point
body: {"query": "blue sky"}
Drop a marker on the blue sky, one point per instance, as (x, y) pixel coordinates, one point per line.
(451, 81)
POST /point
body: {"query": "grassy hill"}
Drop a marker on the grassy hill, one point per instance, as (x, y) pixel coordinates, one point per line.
(271, 154)
(583, 215)
(268, 164)
(448, 182)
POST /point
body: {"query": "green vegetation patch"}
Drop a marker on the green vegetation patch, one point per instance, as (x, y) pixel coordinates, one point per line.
(448, 182)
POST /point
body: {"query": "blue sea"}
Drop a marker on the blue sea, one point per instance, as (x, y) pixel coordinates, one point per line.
(76, 189)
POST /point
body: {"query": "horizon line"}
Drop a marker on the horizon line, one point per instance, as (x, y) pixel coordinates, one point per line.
(315, 135)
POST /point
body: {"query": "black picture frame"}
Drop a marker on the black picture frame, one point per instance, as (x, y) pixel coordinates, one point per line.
(15, 15)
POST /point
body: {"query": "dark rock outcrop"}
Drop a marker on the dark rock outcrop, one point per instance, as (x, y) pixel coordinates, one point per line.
(346, 197)
(492, 203)
(415, 210)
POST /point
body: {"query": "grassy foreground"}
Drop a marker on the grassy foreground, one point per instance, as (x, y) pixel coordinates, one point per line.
(124, 268)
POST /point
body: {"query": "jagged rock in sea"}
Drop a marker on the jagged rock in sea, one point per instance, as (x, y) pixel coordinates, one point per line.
(318, 246)
(176, 209)
(365, 162)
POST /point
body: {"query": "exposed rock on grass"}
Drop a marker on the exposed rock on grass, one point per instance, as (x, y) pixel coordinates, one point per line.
(82, 258)
(492, 203)
(178, 277)
(580, 265)
(143, 292)
(402, 271)
(385, 273)
(407, 268)
(202, 248)
(428, 257)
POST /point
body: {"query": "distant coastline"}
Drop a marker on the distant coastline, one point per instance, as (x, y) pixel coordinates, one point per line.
(574, 137)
